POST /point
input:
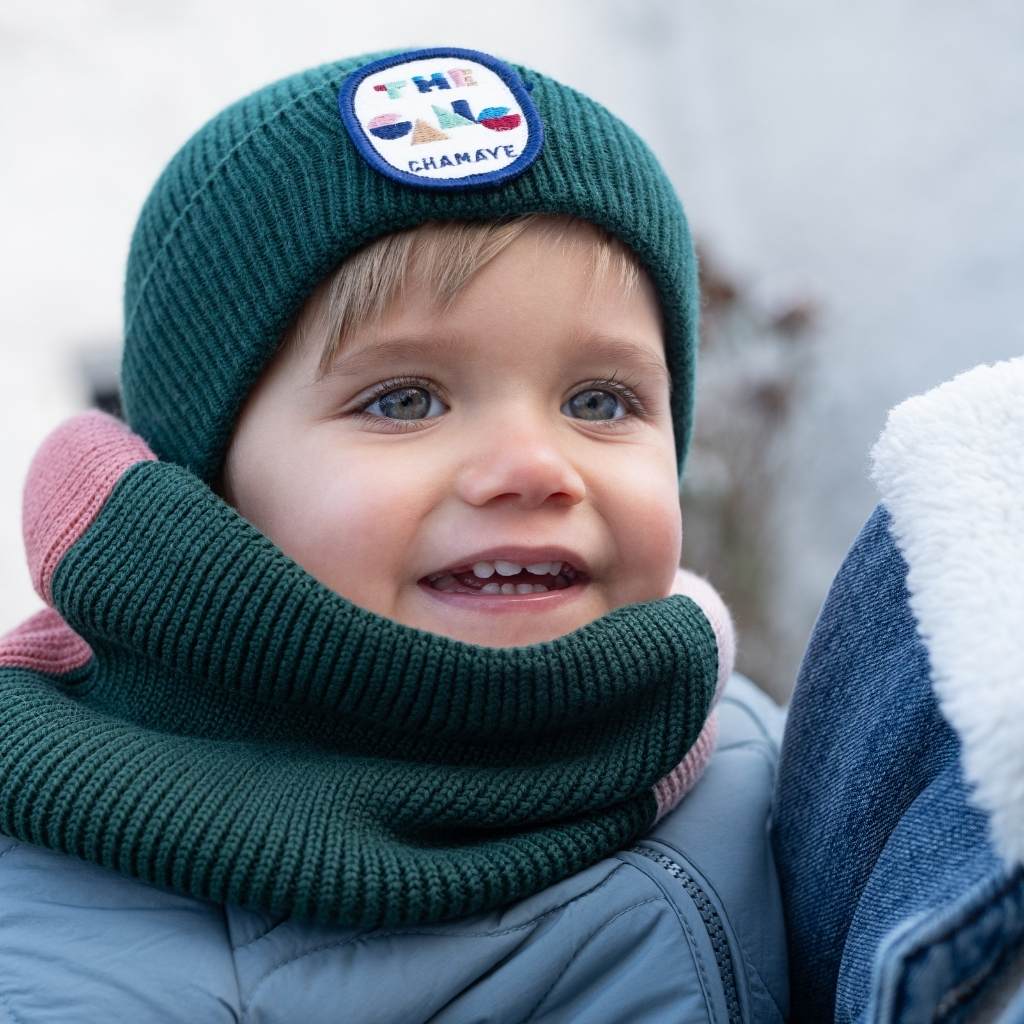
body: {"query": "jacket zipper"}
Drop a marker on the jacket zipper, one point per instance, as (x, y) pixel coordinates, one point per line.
(712, 924)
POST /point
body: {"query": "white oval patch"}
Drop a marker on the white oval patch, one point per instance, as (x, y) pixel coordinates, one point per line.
(441, 118)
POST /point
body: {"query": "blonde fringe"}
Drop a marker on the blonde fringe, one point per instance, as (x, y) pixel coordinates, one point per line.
(444, 256)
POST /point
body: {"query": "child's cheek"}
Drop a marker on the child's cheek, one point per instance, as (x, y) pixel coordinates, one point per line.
(355, 530)
(650, 537)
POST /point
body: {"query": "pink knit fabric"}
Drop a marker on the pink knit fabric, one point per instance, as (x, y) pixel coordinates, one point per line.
(44, 642)
(674, 786)
(69, 479)
(711, 603)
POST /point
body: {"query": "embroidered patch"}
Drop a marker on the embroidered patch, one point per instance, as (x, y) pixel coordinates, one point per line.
(442, 118)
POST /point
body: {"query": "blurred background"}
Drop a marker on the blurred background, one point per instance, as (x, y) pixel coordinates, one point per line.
(852, 173)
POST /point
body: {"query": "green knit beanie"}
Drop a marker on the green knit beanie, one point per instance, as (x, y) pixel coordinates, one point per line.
(272, 193)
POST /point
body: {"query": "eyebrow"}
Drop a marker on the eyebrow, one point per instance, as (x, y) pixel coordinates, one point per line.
(618, 350)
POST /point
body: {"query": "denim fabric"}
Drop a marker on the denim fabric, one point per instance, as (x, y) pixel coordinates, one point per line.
(1015, 1011)
(874, 839)
(942, 962)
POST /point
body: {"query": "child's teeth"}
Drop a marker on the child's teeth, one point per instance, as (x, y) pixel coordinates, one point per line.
(485, 570)
(513, 588)
(449, 583)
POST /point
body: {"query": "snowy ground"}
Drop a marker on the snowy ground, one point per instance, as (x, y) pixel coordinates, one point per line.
(870, 156)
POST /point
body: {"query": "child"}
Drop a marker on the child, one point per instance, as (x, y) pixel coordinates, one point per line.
(396, 329)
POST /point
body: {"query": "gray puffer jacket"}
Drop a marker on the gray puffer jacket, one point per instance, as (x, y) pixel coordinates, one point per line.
(684, 927)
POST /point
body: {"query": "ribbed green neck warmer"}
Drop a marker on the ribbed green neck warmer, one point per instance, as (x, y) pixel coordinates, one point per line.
(196, 710)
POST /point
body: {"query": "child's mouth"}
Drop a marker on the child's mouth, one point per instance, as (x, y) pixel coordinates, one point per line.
(522, 583)
(523, 591)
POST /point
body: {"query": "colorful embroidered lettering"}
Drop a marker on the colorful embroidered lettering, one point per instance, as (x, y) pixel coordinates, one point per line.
(388, 126)
(429, 163)
(451, 118)
(436, 81)
(408, 100)
(462, 76)
(499, 119)
(426, 133)
(393, 126)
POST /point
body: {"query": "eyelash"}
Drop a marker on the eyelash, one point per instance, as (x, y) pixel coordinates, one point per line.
(624, 389)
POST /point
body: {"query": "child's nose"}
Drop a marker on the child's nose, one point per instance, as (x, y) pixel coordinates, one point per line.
(528, 465)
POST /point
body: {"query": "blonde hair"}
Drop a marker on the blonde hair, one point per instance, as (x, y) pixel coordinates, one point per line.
(444, 255)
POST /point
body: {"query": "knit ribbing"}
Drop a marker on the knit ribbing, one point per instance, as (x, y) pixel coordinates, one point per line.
(242, 733)
(197, 590)
(271, 194)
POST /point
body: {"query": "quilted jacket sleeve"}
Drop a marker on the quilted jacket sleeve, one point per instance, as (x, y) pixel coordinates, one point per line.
(80, 943)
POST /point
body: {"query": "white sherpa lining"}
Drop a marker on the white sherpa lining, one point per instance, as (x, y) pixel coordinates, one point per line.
(950, 468)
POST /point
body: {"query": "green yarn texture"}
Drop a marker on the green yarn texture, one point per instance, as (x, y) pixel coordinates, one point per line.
(244, 734)
(271, 194)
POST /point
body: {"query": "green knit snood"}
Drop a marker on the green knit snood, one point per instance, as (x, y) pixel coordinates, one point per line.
(236, 731)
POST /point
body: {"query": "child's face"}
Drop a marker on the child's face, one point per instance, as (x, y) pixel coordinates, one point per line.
(495, 446)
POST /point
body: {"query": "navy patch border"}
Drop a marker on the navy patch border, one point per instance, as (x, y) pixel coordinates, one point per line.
(511, 78)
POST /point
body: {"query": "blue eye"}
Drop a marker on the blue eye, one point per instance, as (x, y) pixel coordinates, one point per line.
(406, 402)
(409, 398)
(597, 399)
